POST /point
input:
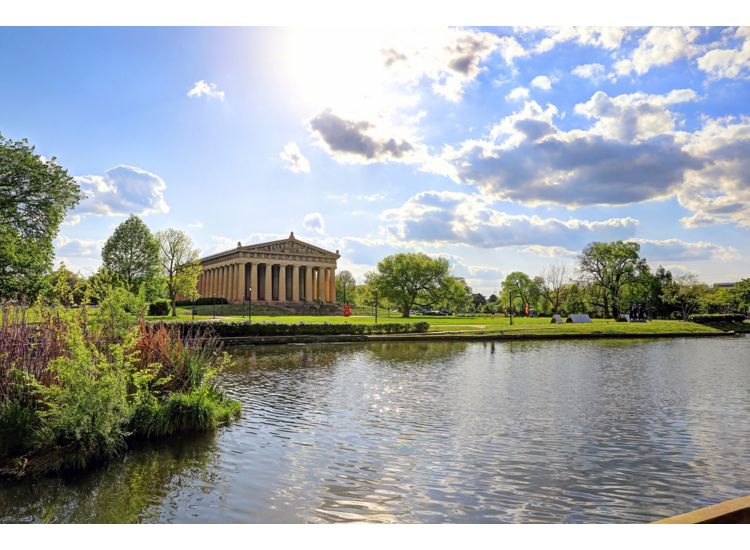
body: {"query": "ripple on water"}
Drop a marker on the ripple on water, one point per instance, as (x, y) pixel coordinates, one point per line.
(441, 432)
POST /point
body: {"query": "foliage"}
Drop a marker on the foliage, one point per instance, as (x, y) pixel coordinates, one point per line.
(717, 318)
(521, 288)
(73, 392)
(410, 280)
(65, 287)
(227, 330)
(35, 195)
(131, 254)
(609, 266)
(345, 287)
(553, 285)
(202, 301)
(685, 293)
(179, 265)
(456, 294)
(160, 308)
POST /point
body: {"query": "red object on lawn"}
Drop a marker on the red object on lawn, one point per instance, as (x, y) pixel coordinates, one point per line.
(347, 311)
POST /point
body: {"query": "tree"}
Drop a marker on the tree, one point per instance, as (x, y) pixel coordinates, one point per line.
(179, 265)
(35, 195)
(521, 288)
(345, 286)
(478, 300)
(553, 285)
(686, 293)
(456, 294)
(410, 280)
(66, 287)
(131, 254)
(741, 295)
(492, 299)
(611, 266)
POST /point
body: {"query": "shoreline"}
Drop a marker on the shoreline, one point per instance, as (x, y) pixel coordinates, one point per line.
(455, 336)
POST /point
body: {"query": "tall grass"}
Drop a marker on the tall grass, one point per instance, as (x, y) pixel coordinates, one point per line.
(73, 392)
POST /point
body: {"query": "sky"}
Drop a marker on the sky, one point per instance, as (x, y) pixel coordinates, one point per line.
(501, 149)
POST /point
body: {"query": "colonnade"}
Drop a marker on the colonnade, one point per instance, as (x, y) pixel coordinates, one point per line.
(269, 282)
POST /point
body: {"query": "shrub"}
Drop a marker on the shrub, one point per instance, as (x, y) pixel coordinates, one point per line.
(160, 308)
(228, 330)
(716, 318)
(202, 301)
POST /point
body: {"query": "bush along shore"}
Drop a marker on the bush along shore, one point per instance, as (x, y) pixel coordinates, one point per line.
(239, 329)
(74, 391)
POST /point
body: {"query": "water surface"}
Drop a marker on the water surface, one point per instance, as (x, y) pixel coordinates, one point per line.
(581, 431)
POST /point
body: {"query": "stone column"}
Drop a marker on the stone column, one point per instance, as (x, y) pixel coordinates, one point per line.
(254, 281)
(282, 282)
(269, 283)
(236, 283)
(321, 284)
(295, 283)
(308, 283)
(332, 291)
(210, 288)
(228, 282)
(240, 287)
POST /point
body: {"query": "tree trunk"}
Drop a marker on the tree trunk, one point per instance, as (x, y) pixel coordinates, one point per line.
(174, 306)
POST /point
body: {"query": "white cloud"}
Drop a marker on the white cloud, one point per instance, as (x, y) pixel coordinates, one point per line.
(719, 191)
(526, 158)
(207, 89)
(543, 82)
(121, 190)
(314, 222)
(296, 161)
(633, 117)
(609, 38)
(660, 46)
(517, 94)
(78, 255)
(195, 225)
(347, 198)
(676, 250)
(360, 141)
(729, 62)
(591, 71)
(457, 218)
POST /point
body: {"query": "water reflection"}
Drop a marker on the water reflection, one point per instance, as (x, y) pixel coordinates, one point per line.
(594, 431)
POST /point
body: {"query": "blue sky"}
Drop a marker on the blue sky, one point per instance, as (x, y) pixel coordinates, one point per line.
(502, 149)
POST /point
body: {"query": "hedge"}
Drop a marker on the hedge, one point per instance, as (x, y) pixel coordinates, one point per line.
(159, 308)
(203, 301)
(228, 330)
(714, 318)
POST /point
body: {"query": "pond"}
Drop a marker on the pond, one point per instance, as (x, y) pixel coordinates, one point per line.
(583, 431)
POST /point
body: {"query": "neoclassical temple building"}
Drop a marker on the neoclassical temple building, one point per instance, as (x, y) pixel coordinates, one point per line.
(285, 271)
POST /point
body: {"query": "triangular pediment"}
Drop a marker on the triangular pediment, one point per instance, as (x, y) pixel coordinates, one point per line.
(289, 246)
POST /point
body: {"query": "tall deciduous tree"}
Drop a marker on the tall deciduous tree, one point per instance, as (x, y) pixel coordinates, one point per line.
(345, 285)
(611, 266)
(686, 293)
(521, 288)
(553, 284)
(179, 265)
(35, 195)
(131, 254)
(410, 280)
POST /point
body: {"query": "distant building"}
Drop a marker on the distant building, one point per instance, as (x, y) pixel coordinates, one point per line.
(724, 285)
(284, 271)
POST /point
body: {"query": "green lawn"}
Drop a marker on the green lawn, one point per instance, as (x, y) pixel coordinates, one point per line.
(479, 324)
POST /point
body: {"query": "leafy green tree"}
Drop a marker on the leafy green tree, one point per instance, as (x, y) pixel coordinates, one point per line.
(456, 294)
(131, 254)
(65, 287)
(180, 267)
(575, 298)
(410, 280)
(522, 289)
(610, 267)
(741, 295)
(345, 287)
(685, 293)
(35, 195)
(717, 300)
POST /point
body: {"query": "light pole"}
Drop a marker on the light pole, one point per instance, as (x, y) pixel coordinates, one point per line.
(213, 302)
(249, 305)
(510, 305)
